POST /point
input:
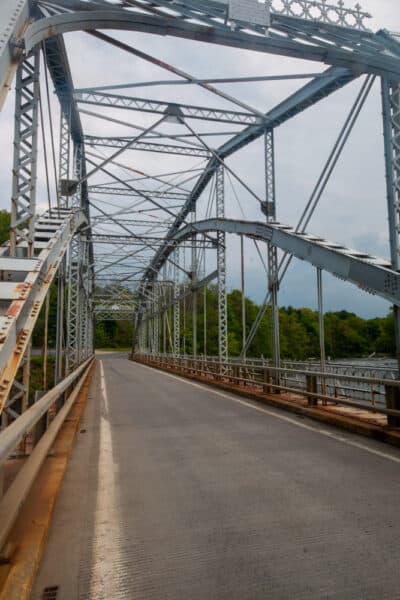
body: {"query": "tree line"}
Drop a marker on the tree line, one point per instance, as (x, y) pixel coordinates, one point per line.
(346, 334)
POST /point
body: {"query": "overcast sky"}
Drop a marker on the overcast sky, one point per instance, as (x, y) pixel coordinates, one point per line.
(353, 209)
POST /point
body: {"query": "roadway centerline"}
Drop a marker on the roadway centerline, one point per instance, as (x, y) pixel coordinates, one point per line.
(324, 432)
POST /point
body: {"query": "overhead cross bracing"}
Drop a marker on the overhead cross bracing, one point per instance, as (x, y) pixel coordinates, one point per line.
(150, 153)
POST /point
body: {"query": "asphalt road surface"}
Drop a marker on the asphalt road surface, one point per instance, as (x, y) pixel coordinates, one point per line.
(176, 491)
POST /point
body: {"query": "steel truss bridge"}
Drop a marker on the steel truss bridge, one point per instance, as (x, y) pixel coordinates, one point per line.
(122, 244)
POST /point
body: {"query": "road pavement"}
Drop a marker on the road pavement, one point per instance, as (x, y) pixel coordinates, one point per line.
(176, 491)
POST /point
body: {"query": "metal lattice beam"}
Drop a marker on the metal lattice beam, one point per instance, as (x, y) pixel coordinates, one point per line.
(23, 202)
(221, 268)
(118, 142)
(391, 129)
(273, 268)
(181, 111)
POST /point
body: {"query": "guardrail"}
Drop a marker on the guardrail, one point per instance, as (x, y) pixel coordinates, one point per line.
(379, 395)
(15, 496)
(381, 370)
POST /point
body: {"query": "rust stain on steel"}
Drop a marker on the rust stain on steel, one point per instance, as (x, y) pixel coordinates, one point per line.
(14, 309)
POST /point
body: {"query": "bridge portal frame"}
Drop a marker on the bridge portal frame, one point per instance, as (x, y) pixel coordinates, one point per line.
(288, 35)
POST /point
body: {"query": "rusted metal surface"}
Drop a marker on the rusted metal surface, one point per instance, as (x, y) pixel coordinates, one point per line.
(28, 297)
(17, 493)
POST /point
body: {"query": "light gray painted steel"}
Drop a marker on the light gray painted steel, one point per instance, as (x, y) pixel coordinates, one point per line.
(372, 274)
(177, 305)
(75, 299)
(23, 202)
(391, 133)
(119, 142)
(185, 111)
(16, 326)
(221, 268)
(250, 11)
(352, 49)
(14, 16)
(273, 268)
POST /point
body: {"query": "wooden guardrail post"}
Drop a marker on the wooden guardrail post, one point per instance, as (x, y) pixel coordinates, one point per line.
(235, 374)
(392, 394)
(312, 387)
(267, 380)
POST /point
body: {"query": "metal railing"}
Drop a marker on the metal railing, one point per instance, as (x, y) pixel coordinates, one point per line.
(328, 387)
(11, 437)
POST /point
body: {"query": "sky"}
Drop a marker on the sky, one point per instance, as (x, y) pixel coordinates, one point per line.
(352, 210)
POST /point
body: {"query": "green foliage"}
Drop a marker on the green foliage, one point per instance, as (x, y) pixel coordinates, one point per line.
(346, 334)
(113, 334)
(5, 220)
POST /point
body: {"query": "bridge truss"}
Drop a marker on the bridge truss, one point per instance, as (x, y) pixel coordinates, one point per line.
(123, 244)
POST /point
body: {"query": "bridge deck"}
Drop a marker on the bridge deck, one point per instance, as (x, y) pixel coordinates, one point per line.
(175, 491)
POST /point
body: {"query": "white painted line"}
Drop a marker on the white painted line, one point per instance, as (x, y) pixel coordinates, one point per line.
(261, 409)
(107, 551)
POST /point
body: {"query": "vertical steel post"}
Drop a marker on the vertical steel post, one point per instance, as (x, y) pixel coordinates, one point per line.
(221, 267)
(205, 322)
(184, 320)
(60, 323)
(75, 300)
(64, 159)
(243, 297)
(156, 305)
(321, 328)
(23, 201)
(177, 306)
(391, 135)
(45, 341)
(273, 276)
(63, 176)
(194, 291)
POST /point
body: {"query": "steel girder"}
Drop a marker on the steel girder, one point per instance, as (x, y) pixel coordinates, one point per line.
(185, 292)
(359, 51)
(308, 95)
(372, 274)
(110, 314)
(272, 250)
(14, 19)
(23, 202)
(221, 268)
(184, 111)
(79, 281)
(391, 113)
(391, 131)
(156, 332)
(146, 146)
(330, 42)
(177, 306)
(65, 22)
(113, 304)
(58, 65)
(137, 192)
(25, 286)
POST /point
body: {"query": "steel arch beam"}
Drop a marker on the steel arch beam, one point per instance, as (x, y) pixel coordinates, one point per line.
(359, 59)
(372, 274)
(14, 19)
